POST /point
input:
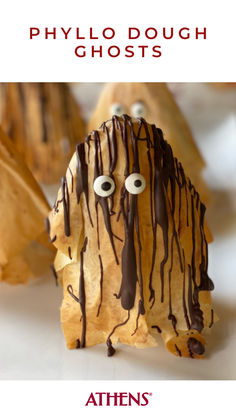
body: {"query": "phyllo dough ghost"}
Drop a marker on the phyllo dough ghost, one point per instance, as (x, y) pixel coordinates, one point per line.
(24, 248)
(44, 121)
(132, 244)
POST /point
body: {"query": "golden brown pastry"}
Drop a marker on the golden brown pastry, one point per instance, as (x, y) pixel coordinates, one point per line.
(44, 121)
(224, 86)
(155, 103)
(24, 248)
(132, 246)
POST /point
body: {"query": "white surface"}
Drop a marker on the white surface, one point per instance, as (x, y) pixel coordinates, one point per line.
(32, 344)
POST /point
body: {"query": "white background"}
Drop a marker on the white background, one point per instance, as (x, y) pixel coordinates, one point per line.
(24, 60)
(67, 399)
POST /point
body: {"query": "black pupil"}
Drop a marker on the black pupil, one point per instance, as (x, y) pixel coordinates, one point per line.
(137, 183)
(106, 186)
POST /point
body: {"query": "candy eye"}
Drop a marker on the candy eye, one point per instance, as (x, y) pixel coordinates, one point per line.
(138, 110)
(135, 183)
(104, 186)
(117, 109)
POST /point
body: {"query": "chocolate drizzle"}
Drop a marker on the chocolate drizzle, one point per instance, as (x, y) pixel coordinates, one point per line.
(66, 205)
(129, 265)
(141, 301)
(184, 299)
(141, 310)
(160, 206)
(196, 314)
(103, 202)
(178, 350)
(171, 316)
(54, 274)
(72, 179)
(69, 252)
(47, 226)
(82, 176)
(129, 211)
(195, 346)
(110, 349)
(82, 298)
(157, 328)
(212, 318)
(206, 283)
(71, 292)
(166, 171)
(101, 284)
(169, 192)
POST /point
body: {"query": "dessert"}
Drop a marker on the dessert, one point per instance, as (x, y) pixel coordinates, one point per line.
(24, 248)
(44, 121)
(131, 244)
(155, 103)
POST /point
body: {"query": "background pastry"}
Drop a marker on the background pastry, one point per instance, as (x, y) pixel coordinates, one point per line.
(132, 246)
(44, 121)
(155, 103)
(24, 249)
(225, 85)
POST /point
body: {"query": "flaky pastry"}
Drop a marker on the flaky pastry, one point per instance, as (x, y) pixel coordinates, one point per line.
(132, 245)
(44, 121)
(24, 249)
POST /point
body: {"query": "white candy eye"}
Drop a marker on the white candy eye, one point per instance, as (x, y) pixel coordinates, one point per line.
(135, 183)
(117, 109)
(104, 186)
(138, 110)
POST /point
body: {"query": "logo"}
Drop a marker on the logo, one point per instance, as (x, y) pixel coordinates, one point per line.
(118, 399)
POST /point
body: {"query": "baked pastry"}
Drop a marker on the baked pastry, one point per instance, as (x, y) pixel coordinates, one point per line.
(24, 249)
(155, 103)
(224, 86)
(132, 244)
(44, 121)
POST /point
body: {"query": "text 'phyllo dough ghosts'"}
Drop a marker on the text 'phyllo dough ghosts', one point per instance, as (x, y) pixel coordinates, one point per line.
(132, 244)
